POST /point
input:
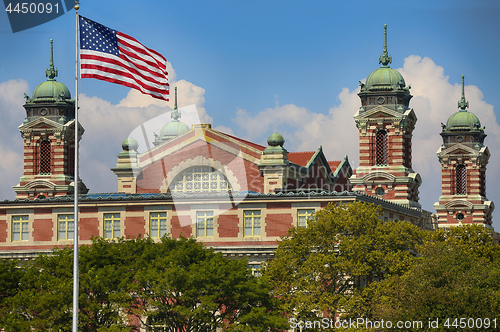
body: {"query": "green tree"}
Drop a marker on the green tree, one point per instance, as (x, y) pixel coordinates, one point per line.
(317, 270)
(41, 300)
(188, 287)
(10, 276)
(457, 275)
(177, 283)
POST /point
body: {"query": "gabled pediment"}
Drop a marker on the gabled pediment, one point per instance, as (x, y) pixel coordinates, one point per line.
(204, 140)
(379, 112)
(41, 123)
(459, 148)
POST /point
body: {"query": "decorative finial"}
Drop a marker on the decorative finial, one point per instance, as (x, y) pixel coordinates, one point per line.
(175, 113)
(77, 5)
(463, 103)
(385, 59)
(51, 72)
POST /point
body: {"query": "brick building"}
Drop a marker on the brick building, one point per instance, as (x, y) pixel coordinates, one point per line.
(234, 195)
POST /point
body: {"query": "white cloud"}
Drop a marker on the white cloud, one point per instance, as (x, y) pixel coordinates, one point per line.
(11, 150)
(434, 100)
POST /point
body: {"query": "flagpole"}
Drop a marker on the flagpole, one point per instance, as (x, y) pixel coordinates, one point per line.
(76, 178)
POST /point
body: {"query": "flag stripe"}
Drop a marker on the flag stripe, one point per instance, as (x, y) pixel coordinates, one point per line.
(128, 43)
(112, 56)
(93, 57)
(96, 69)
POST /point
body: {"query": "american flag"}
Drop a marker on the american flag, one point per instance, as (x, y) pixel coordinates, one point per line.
(112, 56)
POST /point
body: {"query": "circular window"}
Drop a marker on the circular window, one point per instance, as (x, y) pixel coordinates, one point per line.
(460, 216)
(460, 139)
(43, 111)
(380, 191)
(380, 100)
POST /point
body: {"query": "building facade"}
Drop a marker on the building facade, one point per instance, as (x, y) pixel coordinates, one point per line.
(236, 196)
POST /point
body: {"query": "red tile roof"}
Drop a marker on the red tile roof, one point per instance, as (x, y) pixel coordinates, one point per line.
(334, 164)
(254, 145)
(300, 158)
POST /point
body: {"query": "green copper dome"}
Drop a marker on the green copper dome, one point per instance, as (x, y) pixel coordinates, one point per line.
(51, 89)
(130, 144)
(385, 77)
(463, 120)
(173, 129)
(275, 140)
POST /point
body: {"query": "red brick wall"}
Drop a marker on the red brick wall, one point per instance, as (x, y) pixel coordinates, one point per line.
(3, 230)
(152, 177)
(89, 227)
(177, 229)
(134, 226)
(42, 229)
(43, 211)
(134, 208)
(228, 225)
(278, 224)
(89, 210)
(279, 205)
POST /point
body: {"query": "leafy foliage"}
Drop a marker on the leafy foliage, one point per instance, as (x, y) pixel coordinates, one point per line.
(317, 270)
(456, 276)
(178, 283)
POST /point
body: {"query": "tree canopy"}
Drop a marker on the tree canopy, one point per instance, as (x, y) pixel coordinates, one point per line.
(350, 264)
(322, 268)
(126, 284)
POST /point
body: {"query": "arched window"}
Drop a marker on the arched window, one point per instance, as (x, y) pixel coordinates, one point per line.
(461, 173)
(45, 157)
(382, 156)
(200, 179)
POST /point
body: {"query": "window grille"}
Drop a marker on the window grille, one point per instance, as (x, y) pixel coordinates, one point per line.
(45, 157)
(461, 173)
(382, 143)
(200, 179)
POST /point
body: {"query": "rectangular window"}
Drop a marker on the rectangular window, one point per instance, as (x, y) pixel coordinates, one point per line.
(111, 225)
(66, 226)
(303, 216)
(20, 226)
(204, 223)
(255, 269)
(158, 224)
(252, 223)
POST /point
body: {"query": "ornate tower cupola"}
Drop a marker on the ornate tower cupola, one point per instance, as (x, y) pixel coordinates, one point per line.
(463, 158)
(385, 123)
(173, 128)
(48, 132)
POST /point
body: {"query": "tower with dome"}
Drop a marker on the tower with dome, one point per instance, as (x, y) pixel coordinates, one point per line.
(463, 157)
(48, 133)
(385, 123)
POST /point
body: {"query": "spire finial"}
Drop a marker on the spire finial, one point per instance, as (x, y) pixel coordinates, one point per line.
(385, 59)
(463, 103)
(51, 72)
(175, 113)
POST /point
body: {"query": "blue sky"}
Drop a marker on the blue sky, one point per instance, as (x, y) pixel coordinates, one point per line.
(255, 67)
